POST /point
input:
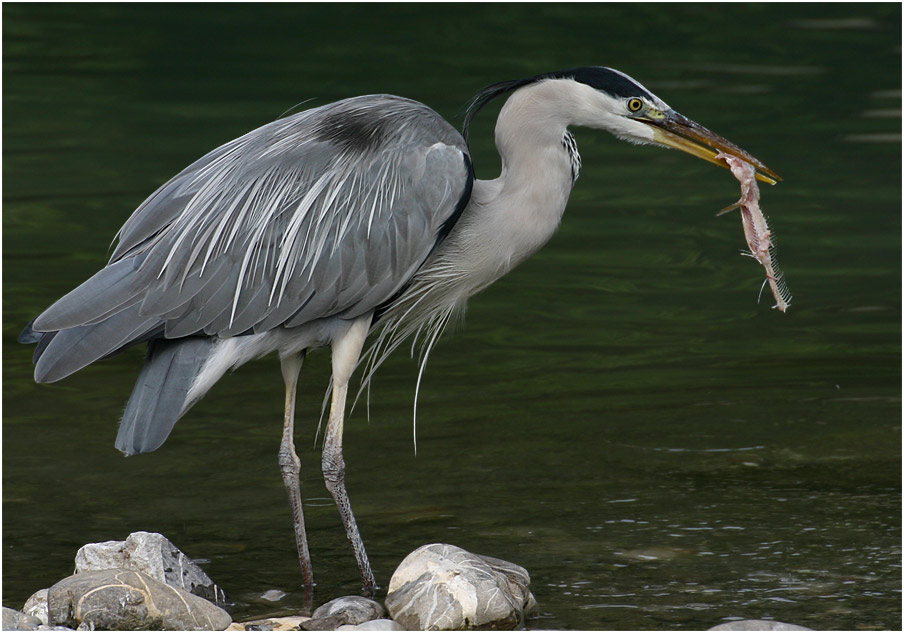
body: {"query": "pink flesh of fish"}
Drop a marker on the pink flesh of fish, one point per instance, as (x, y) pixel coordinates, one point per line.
(756, 230)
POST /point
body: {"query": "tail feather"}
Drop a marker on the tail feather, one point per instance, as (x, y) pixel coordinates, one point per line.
(71, 349)
(159, 397)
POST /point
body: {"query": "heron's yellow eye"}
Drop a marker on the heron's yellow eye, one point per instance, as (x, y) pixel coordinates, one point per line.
(635, 104)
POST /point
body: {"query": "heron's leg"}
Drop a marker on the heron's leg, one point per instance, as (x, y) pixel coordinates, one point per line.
(346, 351)
(290, 465)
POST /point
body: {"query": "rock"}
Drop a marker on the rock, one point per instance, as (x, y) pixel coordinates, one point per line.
(373, 625)
(757, 625)
(119, 599)
(350, 609)
(328, 623)
(289, 623)
(443, 587)
(36, 606)
(519, 581)
(531, 608)
(273, 595)
(153, 555)
(17, 621)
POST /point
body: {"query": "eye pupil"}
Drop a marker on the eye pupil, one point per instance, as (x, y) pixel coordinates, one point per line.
(634, 105)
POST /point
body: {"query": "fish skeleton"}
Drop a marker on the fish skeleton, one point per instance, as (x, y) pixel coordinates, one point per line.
(756, 229)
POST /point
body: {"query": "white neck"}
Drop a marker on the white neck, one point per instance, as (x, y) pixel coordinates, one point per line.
(511, 217)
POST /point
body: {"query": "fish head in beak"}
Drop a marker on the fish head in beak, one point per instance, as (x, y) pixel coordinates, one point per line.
(675, 130)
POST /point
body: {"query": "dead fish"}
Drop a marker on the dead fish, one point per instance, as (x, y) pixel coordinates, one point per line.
(756, 229)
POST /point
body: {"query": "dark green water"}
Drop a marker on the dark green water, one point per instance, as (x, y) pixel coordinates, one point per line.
(619, 415)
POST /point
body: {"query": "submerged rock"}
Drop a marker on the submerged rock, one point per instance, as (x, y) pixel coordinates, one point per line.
(153, 555)
(119, 599)
(443, 587)
(758, 625)
(273, 595)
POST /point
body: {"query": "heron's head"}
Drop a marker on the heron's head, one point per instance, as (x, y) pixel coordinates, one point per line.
(607, 99)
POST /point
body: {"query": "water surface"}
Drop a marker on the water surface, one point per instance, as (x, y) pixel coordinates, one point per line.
(620, 415)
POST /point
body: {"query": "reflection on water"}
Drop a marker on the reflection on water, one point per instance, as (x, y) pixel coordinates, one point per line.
(620, 415)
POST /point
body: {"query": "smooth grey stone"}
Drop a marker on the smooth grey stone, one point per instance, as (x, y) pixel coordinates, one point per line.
(153, 555)
(443, 587)
(352, 609)
(758, 625)
(326, 623)
(36, 606)
(120, 599)
(373, 625)
(17, 621)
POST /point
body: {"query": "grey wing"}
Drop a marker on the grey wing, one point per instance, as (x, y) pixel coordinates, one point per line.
(329, 212)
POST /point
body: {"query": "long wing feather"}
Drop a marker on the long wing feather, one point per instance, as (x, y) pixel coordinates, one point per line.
(328, 212)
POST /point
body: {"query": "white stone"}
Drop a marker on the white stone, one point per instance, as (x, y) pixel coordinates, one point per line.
(443, 587)
(153, 555)
(127, 600)
(373, 625)
(17, 621)
(36, 606)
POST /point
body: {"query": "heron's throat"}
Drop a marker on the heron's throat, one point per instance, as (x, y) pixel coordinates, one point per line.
(508, 218)
(540, 164)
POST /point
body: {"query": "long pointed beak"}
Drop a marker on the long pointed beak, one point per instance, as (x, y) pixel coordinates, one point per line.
(676, 130)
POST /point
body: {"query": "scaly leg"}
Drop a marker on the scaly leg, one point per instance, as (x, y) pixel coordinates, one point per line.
(346, 351)
(290, 465)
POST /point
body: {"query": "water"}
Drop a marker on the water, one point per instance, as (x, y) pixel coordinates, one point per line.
(619, 415)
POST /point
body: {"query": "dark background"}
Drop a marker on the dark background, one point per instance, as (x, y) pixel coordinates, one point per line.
(619, 415)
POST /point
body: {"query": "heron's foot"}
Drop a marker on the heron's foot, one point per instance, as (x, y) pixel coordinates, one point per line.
(290, 468)
(369, 588)
(301, 545)
(307, 606)
(334, 478)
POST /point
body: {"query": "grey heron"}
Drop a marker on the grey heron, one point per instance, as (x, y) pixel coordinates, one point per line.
(357, 217)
